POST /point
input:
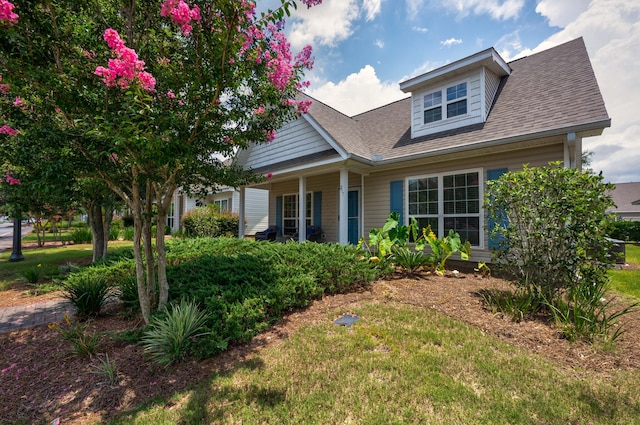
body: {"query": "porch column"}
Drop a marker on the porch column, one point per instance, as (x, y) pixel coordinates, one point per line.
(241, 215)
(302, 209)
(343, 208)
(573, 151)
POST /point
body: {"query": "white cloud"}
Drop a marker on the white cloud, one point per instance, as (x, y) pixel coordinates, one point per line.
(561, 13)
(611, 30)
(359, 92)
(450, 42)
(498, 9)
(371, 8)
(413, 7)
(325, 24)
(420, 29)
(379, 43)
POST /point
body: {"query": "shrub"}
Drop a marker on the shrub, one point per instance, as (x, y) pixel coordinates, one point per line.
(33, 275)
(81, 236)
(550, 228)
(128, 294)
(169, 334)
(246, 286)
(555, 231)
(128, 233)
(208, 222)
(624, 230)
(114, 233)
(87, 294)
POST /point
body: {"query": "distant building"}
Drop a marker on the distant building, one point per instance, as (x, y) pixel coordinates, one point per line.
(627, 199)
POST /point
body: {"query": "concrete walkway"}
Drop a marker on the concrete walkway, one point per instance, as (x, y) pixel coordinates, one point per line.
(26, 316)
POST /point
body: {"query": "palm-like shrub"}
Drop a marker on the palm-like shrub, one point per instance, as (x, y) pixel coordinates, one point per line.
(88, 294)
(169, 334)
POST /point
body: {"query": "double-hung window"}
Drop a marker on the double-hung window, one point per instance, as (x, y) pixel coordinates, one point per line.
(290, 213)
(222, 204)
(448, 201)
(455, 103)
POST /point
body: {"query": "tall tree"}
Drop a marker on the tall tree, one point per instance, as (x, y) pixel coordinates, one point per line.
(151, 94)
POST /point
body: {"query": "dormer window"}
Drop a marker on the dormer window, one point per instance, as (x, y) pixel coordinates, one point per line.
(456, 103)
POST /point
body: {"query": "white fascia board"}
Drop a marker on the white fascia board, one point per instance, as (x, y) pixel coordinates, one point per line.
(489, 58)
(326, 136)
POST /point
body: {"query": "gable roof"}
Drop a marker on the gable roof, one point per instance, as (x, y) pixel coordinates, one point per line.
(550, 93)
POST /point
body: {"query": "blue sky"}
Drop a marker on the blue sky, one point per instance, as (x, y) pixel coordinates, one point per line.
(364, 48)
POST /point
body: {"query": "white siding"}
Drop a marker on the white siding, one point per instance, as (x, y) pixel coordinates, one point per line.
(474, 106)
(295, 139)
(492, 81)
(256, 209)
(377, 185)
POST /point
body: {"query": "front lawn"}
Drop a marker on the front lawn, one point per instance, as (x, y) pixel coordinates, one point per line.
(627, 279)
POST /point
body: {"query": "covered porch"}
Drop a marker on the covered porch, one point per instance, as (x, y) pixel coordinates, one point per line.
(331, 201)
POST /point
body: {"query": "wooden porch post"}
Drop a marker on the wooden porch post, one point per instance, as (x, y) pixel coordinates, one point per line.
(343, 208)
(241, 214)
(302, 209)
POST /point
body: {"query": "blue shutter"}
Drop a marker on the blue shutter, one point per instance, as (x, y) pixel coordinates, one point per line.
(396, 190)
(279, 214)
(317, 209)
(494, 243)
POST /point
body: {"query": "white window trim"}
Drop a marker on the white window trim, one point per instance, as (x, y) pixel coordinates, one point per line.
(441, 216)
(443, 105)
(297, 217)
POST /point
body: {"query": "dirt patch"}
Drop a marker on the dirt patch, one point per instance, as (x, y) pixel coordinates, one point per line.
(40, 380)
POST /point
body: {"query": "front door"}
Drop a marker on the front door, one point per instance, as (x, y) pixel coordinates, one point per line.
(354, 216)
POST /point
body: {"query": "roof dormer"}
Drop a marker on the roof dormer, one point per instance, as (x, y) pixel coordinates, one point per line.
(455, 95)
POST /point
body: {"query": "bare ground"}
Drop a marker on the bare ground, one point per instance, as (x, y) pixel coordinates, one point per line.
(40, 380)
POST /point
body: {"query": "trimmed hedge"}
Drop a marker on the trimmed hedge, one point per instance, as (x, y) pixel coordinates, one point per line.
(624, 230)
(245, 286)
(209, 222)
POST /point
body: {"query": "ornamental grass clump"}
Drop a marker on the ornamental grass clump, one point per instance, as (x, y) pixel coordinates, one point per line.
(87, 293)
(170, 333)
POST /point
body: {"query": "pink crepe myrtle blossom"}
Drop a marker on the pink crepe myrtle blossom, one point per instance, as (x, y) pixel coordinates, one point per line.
(303, 106)
(181, 14)
(259, 110)
(126, 67)
(171, 94)
(5, 129)
(7, 15)
(8, 177)
(4, 88)
(271, 135)
(311, 3)
(18, 102)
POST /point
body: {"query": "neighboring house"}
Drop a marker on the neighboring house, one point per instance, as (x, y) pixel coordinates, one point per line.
(627, 199)
(430, 156)
(227, 199)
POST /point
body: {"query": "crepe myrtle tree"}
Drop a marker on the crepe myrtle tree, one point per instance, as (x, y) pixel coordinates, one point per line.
(151, 93)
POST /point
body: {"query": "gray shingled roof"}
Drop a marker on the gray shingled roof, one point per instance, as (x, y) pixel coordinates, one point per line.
(551, 92)
(627, 197)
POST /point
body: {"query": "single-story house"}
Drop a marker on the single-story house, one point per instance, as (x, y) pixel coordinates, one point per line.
(227, 199)
(627, 199)
(430, 155)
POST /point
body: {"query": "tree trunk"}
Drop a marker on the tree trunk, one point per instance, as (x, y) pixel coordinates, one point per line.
(143, 292)
(94, 211)
(164, 196)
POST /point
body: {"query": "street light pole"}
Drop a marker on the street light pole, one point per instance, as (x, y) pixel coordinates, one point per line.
(16, 254)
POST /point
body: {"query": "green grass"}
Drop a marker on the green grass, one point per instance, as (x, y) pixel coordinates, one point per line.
(627, 282)
(11, 272)
(398, 365)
